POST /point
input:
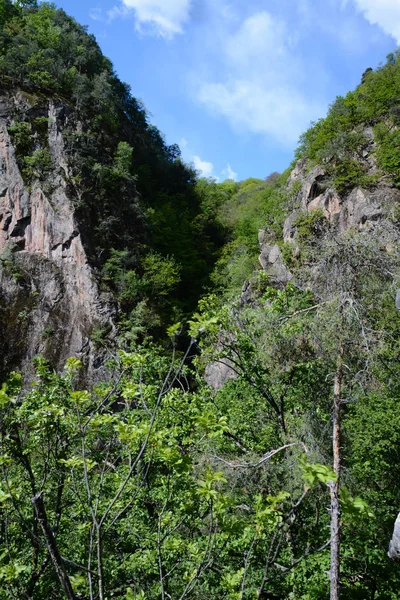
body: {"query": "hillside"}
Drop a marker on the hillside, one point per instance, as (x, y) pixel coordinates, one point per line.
(105, 192)
(202, 378)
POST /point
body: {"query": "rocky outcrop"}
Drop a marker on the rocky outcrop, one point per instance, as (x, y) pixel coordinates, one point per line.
(360, 209)
(271, 260)
(394, 546)
(357, 210)
(49, 301)
(218, 373)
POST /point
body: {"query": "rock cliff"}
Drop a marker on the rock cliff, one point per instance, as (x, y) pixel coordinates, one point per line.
(358, 209)
(49, 301)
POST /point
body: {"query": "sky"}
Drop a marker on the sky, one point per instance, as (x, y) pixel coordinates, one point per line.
(235, 82)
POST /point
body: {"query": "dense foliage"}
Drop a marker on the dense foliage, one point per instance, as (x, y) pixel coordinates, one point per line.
(176, 490)
(241, 210)
(155, 484)
(341, 139)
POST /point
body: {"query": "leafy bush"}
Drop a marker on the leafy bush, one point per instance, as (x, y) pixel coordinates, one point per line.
(38, 165)
(310, 225)
(21, 136)
(388, 152)
(338, 139)
(348, 174)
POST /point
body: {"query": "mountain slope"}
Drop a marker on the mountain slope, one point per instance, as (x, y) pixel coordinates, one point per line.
(88, 182)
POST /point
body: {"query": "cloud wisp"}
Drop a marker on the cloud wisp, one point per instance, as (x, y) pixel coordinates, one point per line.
(205, 168)
(256, 88)
(229, 173)
(165, 18)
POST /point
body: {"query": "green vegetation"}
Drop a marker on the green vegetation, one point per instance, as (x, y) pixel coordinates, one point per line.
(310, 225)
(339, 140)
(153, 484)
(388, 154)
(242, 209)
(175, 489)
(39, 165)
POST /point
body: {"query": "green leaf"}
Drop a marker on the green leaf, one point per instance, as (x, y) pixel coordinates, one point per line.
(314, 473)
(174, 330)
(4, 398)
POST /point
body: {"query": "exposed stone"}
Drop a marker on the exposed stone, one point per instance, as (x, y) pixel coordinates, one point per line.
(52, 290)
(272, 262)
(246, 297)
(312, 186)
(289, 229)
(298, 172)
(359, 209)
(218, 373)
(329, 202)
(394, 546)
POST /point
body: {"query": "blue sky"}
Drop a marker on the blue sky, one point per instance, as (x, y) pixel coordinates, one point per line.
(235, 82)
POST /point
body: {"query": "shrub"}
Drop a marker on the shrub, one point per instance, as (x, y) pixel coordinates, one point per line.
(310, 225)
(388, 153)
(38, 165)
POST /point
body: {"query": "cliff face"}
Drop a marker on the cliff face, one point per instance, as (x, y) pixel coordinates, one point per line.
(357, 210)
(49, 301)
(318, 216)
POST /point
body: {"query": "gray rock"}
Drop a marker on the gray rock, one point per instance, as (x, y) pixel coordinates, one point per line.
(246, 297)
(49, 300)
(394, 546)
(289, 229)
(398, 299)
(360, 209)
(218, 373)
(272, 262)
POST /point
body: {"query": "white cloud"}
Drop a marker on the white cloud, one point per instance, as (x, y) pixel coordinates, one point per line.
(258, 34)
(229, 173)
(228, 12)
(96, 14)
(385, 13)
(280, 112)
(261, 89)
(117, 12)
(205, 168)
(161, 17)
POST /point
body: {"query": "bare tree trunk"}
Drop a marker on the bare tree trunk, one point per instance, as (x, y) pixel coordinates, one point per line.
(334, 485)
(52, 547)
(100, 577)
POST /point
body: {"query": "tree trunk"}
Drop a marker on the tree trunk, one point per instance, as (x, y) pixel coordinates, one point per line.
(100, 576)
(52, 547)
(334, 485)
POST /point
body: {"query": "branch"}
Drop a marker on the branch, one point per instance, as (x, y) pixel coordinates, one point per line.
(307, 553)
(301, 312)
(262, 460)
(52, 547)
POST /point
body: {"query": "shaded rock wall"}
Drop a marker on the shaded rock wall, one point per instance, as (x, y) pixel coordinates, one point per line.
(49, 299)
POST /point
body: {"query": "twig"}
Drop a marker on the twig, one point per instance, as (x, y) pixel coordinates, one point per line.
(262, 460)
